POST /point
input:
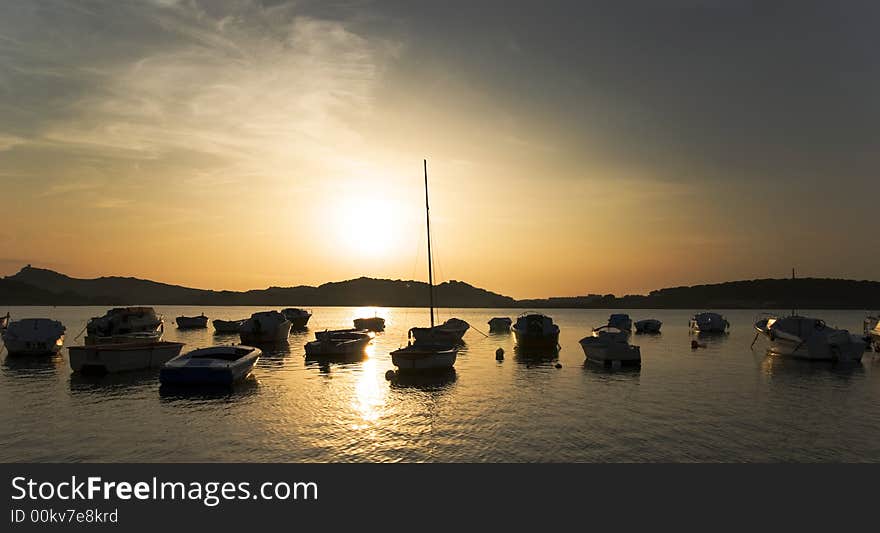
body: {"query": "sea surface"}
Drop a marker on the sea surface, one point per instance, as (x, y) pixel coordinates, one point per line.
(722, 403)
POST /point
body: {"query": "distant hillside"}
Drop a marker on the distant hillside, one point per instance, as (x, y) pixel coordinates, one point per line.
(35, 286)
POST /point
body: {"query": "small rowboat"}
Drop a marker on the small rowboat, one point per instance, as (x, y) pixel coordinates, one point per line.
(216, 365)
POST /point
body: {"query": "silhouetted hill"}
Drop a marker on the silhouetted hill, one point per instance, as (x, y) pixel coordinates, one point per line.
(35, 286)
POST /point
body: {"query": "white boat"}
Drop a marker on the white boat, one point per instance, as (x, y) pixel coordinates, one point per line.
(648, 325)
(809, 338)
(709, 323)
(33, 336)
(429, 354)
(4, 321)
(373, 323)
(119, 357)
(451, 331)
(124, 324)
(534, 330)
(609, 346)
(265, 327)
(192, 322)
(872, 330)
(621, 321)
(338, 342)
(216, 365)
(228, 326)
(500, 324)
(298, 317)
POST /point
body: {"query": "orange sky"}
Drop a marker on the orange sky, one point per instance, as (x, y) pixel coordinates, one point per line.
(250, 146)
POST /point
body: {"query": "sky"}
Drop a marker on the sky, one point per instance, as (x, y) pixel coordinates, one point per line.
(572, 147)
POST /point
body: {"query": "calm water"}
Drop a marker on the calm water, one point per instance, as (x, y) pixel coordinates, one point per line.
(722, 403)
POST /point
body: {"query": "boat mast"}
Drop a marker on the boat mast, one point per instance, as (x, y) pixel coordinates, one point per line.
(428, 224)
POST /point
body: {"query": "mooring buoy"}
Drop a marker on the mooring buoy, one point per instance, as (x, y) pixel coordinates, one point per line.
(499, 354)
(558, 365)
(389, 375)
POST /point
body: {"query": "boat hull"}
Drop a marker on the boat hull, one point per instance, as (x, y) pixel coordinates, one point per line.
(370, 324)
(192, 322)
(126, 338)
(528, 340)
(648, 326)
(227, 326)
(422, 359)
(112, 358)
(210, 366)
(318, 348)
(612, 354)
(279, 333)
(499, 325)
(28, 347)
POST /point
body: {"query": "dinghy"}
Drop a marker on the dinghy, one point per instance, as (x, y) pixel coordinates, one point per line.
(228, 326)
(338, 342)
(609, 346)
(265, 327)
(426, 352)
(298, 317)
(500, 324)
(709, 323)
(119, 324)
(534, 330)
(648, 325)
(809, 338)
(374, 323)
(33, 336)
(192, 322)
(451, 331)
(216, 365)
(119, 357)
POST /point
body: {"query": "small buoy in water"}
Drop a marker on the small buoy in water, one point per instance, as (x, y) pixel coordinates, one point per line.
(694, 345)
(389, 375)
(558, 365)
(499, 354)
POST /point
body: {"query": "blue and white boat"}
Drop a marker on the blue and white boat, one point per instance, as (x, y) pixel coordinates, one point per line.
(215, 365)
(621, 321)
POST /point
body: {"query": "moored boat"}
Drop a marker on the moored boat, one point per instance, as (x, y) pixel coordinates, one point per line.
(621, 321)
(265, 327)
(373, 323)
(227, 326)
(709, 322)
(298, 317)
(500, 324)
(428, 352)
(192, 322)
(215, 365)
(872, 331)
(609, 346)
(338, 342)
(122, 357)
(33, 336)
(534, 330)
(124, 324)
(451, 331)
(648, 325)
(809, 338)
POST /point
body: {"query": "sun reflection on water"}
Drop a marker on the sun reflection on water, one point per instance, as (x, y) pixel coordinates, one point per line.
(370, 394)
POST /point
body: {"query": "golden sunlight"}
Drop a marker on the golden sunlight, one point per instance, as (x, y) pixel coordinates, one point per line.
(365, 225)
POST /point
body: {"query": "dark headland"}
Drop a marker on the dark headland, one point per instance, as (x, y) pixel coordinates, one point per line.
(36, 286)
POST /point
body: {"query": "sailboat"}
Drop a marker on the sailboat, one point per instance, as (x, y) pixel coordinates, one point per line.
(428, 352)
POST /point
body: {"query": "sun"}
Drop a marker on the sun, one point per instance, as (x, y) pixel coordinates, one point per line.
(365, 225)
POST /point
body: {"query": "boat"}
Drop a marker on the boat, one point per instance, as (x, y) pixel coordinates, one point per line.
(621, 321)
(872, 331)
(809, 338)
(122, 357)
(373, 323)
(451, 331)
(192, 322)
(298, 317)
(215, 365)
(500, 324)
(648, 325)
(124, 325)
(227, 326)
(33, 336)
(4, 321)
(534, 330)
(427, 353)
(609, 346)
(709, 323)
(265, 327)
(338, 342)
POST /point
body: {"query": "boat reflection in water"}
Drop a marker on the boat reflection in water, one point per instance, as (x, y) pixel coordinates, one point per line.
(536, 356)
(31, 366)
(210, 393)
(112, 384)
(436, 380)
(780, 367)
